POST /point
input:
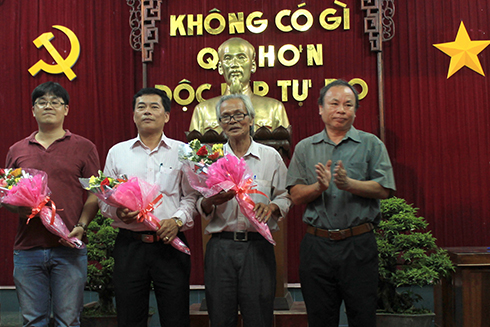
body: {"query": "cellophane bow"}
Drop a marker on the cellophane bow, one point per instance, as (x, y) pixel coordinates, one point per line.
(228, 173)
(134, 194)
(29, 188)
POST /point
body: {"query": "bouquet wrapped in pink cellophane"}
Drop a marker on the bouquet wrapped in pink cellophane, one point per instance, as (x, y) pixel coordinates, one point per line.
(228, 173)
(29, 188)
(134, 194)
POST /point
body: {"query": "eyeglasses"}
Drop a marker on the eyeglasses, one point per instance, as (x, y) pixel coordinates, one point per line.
(237, 117)
(54, 103)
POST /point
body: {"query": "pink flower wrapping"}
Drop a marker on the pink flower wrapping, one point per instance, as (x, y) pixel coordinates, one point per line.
(229, 173)
(32, 191)
(136, 195)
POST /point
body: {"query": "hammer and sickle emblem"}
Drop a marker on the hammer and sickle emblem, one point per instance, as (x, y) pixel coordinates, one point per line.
(62, 65)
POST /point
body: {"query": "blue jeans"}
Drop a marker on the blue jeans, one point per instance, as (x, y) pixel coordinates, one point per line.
(53, 275)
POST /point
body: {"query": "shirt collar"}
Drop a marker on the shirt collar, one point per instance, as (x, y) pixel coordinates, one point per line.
(253, 149)
(32, 138)
(352, 133)
(164, 141)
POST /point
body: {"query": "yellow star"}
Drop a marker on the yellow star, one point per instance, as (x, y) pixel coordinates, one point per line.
(463, 52)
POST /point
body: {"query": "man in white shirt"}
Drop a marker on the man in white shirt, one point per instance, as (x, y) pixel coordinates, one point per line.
(240, 266)
(143, 256)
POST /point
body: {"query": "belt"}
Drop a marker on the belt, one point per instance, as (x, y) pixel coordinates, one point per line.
(340, 234)
(145, 236)
(240, 236)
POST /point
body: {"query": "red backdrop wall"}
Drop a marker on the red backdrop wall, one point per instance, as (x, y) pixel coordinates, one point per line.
(436, 127)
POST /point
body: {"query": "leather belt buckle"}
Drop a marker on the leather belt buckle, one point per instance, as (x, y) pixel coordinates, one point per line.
(335, 234)
(240, 236)
(148, 238)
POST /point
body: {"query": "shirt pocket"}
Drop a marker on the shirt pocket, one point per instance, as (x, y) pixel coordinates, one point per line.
(168, 180)
(263, 186)
(358, 170)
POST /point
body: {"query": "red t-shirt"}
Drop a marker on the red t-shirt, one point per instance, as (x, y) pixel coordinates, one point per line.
(66, 160)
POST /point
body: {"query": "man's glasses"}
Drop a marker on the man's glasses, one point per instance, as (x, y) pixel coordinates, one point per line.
(237, 117)
(54, 103)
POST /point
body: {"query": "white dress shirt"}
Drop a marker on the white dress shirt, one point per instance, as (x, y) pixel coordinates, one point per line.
(269, 173)
(159, 166)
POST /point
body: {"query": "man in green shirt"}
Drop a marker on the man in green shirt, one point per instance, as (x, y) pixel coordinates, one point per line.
(340, 174)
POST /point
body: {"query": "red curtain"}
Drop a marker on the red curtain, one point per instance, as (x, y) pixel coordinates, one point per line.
(436, 128)
(107, 70)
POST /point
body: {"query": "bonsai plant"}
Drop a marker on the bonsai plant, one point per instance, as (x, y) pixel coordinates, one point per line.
(408, 256)
(101, 236)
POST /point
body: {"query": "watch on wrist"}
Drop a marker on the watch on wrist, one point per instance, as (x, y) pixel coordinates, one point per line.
(178, 222)
(84, 226)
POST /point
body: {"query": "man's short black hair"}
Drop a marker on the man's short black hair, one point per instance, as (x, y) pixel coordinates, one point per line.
(50, 88)
(338, 82)
(152, 90)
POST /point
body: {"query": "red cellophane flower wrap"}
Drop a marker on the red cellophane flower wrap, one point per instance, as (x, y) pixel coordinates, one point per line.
(136, 195)
(230, 173)
(29, 188)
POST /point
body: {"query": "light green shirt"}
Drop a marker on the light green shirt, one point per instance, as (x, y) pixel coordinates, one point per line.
(364, 157)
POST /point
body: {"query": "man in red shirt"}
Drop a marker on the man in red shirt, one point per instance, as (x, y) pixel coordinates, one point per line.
(45, 271)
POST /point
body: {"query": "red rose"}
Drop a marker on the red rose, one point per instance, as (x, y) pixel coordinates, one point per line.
(214, 156)
(202, 152)
(105, 182)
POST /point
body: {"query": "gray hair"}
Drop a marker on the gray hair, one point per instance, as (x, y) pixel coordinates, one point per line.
(246, 101)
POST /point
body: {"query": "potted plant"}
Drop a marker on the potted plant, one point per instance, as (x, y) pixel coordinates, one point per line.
(408, 256)
(101, 238)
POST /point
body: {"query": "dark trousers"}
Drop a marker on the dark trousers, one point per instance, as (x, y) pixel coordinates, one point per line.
(240, 274)
(137, 264)
(332, 271)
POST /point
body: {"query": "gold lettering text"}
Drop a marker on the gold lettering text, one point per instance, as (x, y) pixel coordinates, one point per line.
(329, 23)
(208, 58)
(256, 26)
(304, 93)
(261, 88)
(221, 23)
(269, 55)
(200, 89)
(166, 89)
(288, 62)
(191, 23)
(309, 20)
(236, 23)
(284, 84)
(314, 54)
(177, 24)
(279, 25)
(190, 91)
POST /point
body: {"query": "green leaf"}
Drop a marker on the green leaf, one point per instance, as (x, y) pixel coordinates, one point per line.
(408, 255)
